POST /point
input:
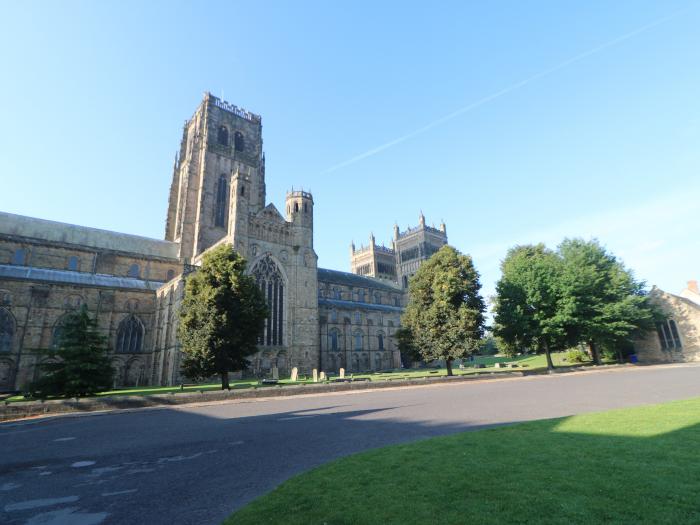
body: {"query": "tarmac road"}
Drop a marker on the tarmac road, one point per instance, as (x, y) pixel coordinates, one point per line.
(197, 464)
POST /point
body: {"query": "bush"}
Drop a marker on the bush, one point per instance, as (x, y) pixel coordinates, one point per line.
(577, 356)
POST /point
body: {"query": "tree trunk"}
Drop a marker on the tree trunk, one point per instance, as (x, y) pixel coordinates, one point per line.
(224, 381)
(620, 359)
(548, 354)
(594, 352)
(448, 364)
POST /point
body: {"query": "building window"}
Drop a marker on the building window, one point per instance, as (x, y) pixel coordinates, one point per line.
(361, 296)
(242, 191)
(57, 333)
(221, 202)
(358, 341)
(405, 281)
(296, 206)
(222, 135)
(238, 141)
(334, 316)
(130, 335)
(380, 342)
(269, 278)
(358, 318)
(170, 276)
(668, 335)
(73, 263)
(134, 271)
(7, 330)
(377, 298)
(305, 208)
(336, 294)
(20, 257)
(396, 301)
(334, 340)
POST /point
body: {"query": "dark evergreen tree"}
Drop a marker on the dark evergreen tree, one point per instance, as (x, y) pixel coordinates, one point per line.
(82, 366)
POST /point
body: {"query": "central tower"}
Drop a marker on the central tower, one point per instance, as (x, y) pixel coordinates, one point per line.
(221, 141)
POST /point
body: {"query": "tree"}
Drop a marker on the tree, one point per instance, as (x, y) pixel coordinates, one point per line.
(222, 316)
(445, 312)
(608, 307)
(406, 343)
(530, 309)
(82, 366)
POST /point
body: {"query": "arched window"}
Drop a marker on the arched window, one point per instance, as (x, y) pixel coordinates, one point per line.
(271, 282)
(296, 206)
(358, 341)
(396, 301)
(361, 296)
(221, 202)
(336, 293)
(57, 333)
(405, 281)
(358, 318)
(222, 136)
(334, 340)
(334, 316)
(242, 191)
(380, 342)
(7, 330)
(170, 276)
(377, 298)
(305, 208)
(73, 263)
(130, 335)
(20, 257)
(238, 141)
(134, 271)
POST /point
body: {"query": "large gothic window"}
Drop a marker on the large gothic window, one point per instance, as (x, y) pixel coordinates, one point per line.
(271, 282)
(7, 330)
(221, 202)
(130, 335)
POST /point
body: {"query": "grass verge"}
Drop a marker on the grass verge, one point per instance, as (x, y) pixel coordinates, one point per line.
(635, 465)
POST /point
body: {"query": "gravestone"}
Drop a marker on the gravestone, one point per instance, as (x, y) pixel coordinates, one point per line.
(342, 373)
(275, 373)
(315, 376)
(322, 376)
(295, 374)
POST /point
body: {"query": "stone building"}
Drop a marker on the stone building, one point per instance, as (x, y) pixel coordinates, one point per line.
(678, 338)
(409, 250)
(133, 285)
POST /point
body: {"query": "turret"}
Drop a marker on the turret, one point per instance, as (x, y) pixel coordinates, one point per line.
(300, 208)
(421, 219)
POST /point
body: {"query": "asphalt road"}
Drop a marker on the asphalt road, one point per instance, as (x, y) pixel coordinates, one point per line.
(196, 464)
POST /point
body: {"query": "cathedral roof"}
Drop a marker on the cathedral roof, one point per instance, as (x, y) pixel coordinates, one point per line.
(60, 232)
(47, 275)
(352, 279)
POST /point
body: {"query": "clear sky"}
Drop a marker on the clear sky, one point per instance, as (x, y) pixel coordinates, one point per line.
(514, 122)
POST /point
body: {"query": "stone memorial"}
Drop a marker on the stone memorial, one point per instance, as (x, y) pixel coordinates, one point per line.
(342, 373)
(315, 376)
(322, 376)
(295, 374)
(275, 373)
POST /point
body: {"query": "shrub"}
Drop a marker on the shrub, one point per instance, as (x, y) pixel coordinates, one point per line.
(577, 356)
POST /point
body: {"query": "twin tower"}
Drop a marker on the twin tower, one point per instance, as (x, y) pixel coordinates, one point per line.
(398, 263)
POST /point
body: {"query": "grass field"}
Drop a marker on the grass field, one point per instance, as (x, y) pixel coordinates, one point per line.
(529, 363)
(637, 465)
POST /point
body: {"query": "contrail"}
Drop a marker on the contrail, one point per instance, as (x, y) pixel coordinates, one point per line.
(504, 91)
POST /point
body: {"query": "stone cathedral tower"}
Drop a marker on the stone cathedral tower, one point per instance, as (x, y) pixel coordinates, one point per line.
(218, 195)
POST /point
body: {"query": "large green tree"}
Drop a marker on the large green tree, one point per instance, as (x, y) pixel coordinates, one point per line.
(530, 309)
(222, 315)
(80, 364)
(607, 306)
(445, 311)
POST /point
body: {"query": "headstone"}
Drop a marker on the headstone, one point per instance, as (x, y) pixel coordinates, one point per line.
(275, 373)
(322, 376)
(315, 376)
(342, 373)
(295, 374)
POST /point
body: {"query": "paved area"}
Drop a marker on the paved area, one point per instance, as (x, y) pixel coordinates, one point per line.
(195, 465)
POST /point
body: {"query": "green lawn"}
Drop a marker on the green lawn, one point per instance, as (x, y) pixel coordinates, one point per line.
(528, 363)
(637, 465)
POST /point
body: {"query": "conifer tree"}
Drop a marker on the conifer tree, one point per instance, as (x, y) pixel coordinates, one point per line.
(82, 365)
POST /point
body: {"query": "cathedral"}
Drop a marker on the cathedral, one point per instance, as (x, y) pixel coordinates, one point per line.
(319, 318)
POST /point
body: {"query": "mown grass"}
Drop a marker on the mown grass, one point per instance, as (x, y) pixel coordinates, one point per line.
(637, 465)
(529, 363)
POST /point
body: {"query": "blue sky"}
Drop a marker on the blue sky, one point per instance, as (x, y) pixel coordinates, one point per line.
(565, 118)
